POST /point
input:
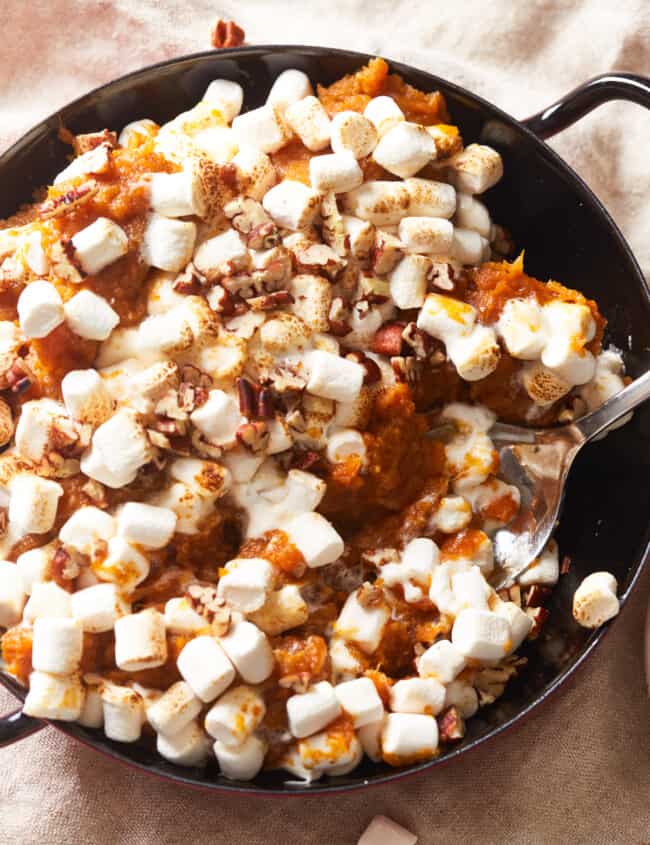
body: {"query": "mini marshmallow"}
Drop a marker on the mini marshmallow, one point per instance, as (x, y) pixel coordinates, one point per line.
(289, 87)
(263, 128)
(90, 316)
(205, 666)
(382, 203)
(468, 247)
(34, 566)
(384, 831)
(315, 538)
(123, 443)
(36, 428)
(12, 594)
(542, 385)
(430, 199)
(313, 297)
(384, 113)
(155, 381)
(249, 650)
(140, 641)
(359, 235)
(168, 244)
(453, 514)
(146, 525)
(472, 214)
(476, 169)
(255, 171)
(242, 762)
(408, 281)
(417, 695)
(188, 747)
(370, 739)
(47, 600)
(176, 194)
(221, 255)
(388, 251)
(57, 645)
(363, 626)
(332, 751)
(353, 133)
(313, 710)
(405, 149)
(85, 527)
(181, 618)
(190, 508)
(124, 565)
(174, 710)
(334, 378)
(96, 160)
(33, 503)
(40, 309)
(136, 132)
(430, 235)
(86, 397)
(246, 583)
(99, 245)
(92, 712)
(408, 737)
(242, 464)
(476, 355)
(573, 366)
(219, 143)
(291, 204)
(345, 443)
(310, 122)
(345, 661)
(481, 635)
(545, 570)
(520, 327)
(337, 172)
(122, 344)
(207, 478)
(462, 695)
(413, 573)
(124, 712)
(283, 609)
(225, 95)
(164, 334)
(97, 608)
(470, 589)
(442, 660)
(360, 700)
(218, 418)
(595, 601)
(234, 717)
(520, 623)
(54, 697)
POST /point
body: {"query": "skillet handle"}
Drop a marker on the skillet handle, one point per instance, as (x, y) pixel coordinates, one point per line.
(586, 97)
(16, 725)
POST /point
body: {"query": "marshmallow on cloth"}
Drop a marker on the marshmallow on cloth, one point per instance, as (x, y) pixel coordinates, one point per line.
(291, 204)
(86, 527)
(360, 700)
(54, 697)
(362, 625)
(310, 122)
(246, 583)
(405, 149)
(408, 737)
(124, 712)
(225, 95)
(595, 601)
(86, 397)
(241, 762)
(188, 747)
(97, 608)
(384, 113)
(12, 594)
(40, 309)
(99, 245)
(313, 710)
(140, 641)
(315, 538)
(289, 87)
(333, 377)
(263, 128)
(353, 133)
(90, 316)
(174, 710)
(384, 831)
(234, 717)
(57, 645)
(146, 525)
(33, 502)
(205, 666)
(168, 244)
(337, 172)
(249, 650)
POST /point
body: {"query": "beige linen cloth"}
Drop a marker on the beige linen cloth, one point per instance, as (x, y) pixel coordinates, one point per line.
(577, 772)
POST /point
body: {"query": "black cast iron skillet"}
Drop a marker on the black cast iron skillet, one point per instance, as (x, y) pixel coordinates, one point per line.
(567, 234)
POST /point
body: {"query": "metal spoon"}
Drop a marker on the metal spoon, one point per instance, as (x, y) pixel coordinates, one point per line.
(538, 463)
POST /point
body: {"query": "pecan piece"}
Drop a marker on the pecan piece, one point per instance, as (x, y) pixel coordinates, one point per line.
(373, 373)
(66, 202)
(451, 725)
(388, 339)
(370, 596)
(265, 404)
(6, 423)
(188, 281)
(253, 436)
(270, 301)
(264, 236)
(226, 34)
(420, 342)
(248, 393)
(565, 566)
(4, 521)
(539, 615)
(536, 595)
(84, 143)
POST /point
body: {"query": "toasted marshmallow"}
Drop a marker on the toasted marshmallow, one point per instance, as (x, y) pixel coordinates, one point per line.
(345, 661)
(417, 695)
(90, 316)
(47, 600)
(57, 645)
(188, 747)
(361, 625)
(476, 169)
(177, 194)
(123, 344)
(12, 593)
(345, 443)
(218, 418)
(335, 752)
(205, 666)
(86, 397)
(334, 378)
(36, 428)
(85, 527)
(462, 695)
(168, 244)
(246, 583)
(33, 503)
(234, 717)
(442, 661)
(92, 711)
(359, 236)
(481, 635)
(446, 318)
(283, 609)
(40, 309)
(337, 172)
(388, 251)
(476, 355)
(520, 623)
(95, 161)
(405, 149)
(595, 601)
(430, 199)
(313, 298)
(255, 171)
(181, 618)
(219, 143)
(146, 525)
(353, 133)
(140, 641)
(136, 132)
(313, 710)
(207, 478)
(315, 538)
(289, 87)
(165, 334)
(241, 762)
(190, 507)
(34, 566)
(408, 281)
(543, 386)
(249, 650)
(263, 128)
(408, 737)
(225, 95)
(99, 245)
(291, 204)
(382, 203)
(222, 255)
(453, 514)
(520, 327)
(382, 831)
(472, 214)
(97, 608)
(384, 113)
(310, 122)
(54, 697)
(242, 464)
(430, 235)
(545, 570)
(360, 700)
(468, 247)
(124, 712)
(123, 443)
(174, 710)
(124, 565)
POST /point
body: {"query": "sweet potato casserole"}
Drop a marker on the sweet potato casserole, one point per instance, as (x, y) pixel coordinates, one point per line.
(249, 365)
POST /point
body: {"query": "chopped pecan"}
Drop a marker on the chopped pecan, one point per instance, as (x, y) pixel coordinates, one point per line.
(285, 380)
(96, 492)
(370, 596)
(265, 404)
(270, 301)
(169, 406)
(264, 236)
(194, 376)
(388, 339)
(4, 521)
(18, 376)
(188, 282)
(319, 257)
(66, 564)
(170, 427)
(539, 615)
(66, 202)
(6, 423)
(373, 373)
(502, 241)
(158, 439)
(451, 725)
(420, 342)
(536, 595)
(406, 369)
(565, 566)
(226, 34)
(204, 447)
(64, 261)
(253, 436)
(248, 393)
(339, 315)
(84, 143)
(306, 460)
(298, 682)
(205, 601)
(442, 276)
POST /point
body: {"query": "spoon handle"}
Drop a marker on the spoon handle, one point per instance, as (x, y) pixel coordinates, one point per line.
(615, 408)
